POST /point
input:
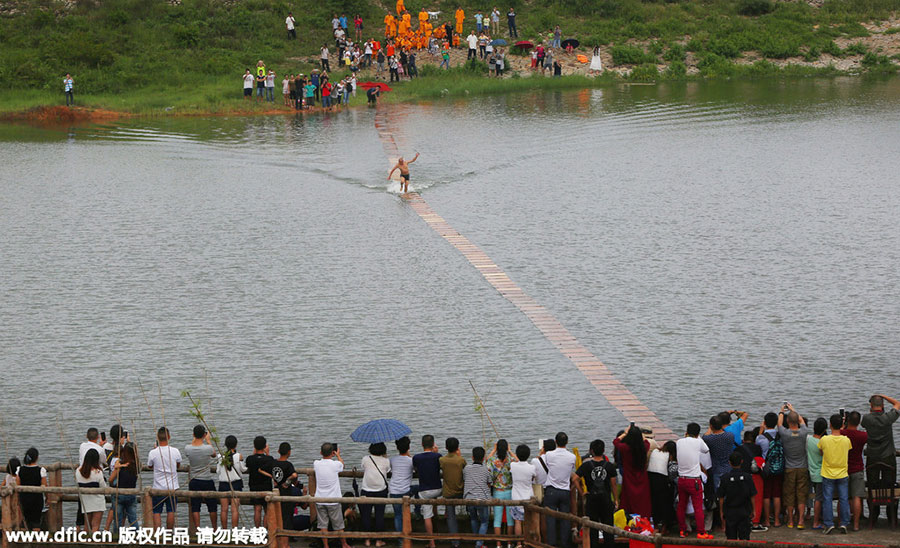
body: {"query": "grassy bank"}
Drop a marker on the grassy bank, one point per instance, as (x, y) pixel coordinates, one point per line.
(147, 56)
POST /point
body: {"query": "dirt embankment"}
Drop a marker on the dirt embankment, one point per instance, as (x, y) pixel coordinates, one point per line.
(51, 115)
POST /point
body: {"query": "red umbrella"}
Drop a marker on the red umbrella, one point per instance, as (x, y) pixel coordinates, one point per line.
(380, 85)
(524, 44)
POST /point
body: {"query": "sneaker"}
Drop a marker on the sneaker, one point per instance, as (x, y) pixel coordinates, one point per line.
(828, 530)
(759, 528)
(683, 534)
(843, 529)
(704, 536)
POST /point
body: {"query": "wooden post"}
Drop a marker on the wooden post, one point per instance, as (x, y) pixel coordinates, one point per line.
(273, 511)
(586, 533)
(311, 489)
(407, 523)
(147, 508)
(54, 502)
(6, 506)
(532, 524)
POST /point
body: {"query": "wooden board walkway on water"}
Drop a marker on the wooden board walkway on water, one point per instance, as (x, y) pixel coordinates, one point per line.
(616, 393)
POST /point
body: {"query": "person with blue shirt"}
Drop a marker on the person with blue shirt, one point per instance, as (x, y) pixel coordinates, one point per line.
(428, 467)
(479, 21)
(735, 428)
(343, 22)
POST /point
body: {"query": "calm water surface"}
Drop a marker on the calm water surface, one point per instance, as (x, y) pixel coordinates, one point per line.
(718, 245)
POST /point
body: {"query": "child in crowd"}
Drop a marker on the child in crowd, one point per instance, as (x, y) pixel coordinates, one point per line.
(736, 492)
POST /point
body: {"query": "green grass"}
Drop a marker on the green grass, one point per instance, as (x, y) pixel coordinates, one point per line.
(147, 55)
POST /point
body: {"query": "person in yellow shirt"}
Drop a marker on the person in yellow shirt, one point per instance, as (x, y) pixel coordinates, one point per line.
(400, 7)
(835, 450)
(407, 18)
(460, 17)
(428, 29)
(388, 24)
(423, 17)
(402, 28)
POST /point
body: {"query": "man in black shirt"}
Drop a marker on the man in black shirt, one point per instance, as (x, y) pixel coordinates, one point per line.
(259, 467)
(600, 476)
(736, 492)
(284, 475)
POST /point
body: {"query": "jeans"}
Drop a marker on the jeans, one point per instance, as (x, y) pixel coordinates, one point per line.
(829, 486)
(557, 499)
(325, 66)
(365, 511)
(555, 43)
(512, 29)
(445, 62)
(452, 523)
(126, 510)
(479, 516)
(326, 101)
(398, 510)
(270, 94)
(690, 489)
(479, 27)
(70, 98)
(471, 54)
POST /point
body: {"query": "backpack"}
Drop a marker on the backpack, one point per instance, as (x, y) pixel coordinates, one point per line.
(598, 482)
(774, 465)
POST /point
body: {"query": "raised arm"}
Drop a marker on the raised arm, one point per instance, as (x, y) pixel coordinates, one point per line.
(414, 158)
(888, 399)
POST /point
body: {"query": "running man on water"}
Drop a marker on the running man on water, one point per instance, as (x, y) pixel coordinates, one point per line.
(404, 171)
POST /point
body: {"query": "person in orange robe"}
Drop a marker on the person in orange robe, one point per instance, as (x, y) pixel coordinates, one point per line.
(428, 29)
(388, 23)
(455, 40)
(423, 17)
(400, 7)
(460, 17)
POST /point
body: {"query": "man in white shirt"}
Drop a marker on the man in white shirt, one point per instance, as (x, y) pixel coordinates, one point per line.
(289, 24)
(328, 485)
(164, 460)
(473, 45)
(560, 467)
(93, 442)
(690, 448)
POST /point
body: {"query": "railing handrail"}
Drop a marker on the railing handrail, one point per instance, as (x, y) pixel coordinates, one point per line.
(185, 468)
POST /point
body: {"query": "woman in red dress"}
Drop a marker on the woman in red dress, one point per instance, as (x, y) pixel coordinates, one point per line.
(633, 450)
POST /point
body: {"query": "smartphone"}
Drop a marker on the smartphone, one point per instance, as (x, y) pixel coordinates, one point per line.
(335, 446)
(841, 411)
(632, 424)
(785, 403)
(540, 445)
(103, 436)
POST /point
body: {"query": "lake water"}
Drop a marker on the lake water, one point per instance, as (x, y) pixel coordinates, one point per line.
(717, 245)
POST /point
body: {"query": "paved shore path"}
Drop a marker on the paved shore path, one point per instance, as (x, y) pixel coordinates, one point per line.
(616, 393)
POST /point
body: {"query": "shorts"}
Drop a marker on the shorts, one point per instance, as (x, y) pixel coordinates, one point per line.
(795, 486)
(405, 176)
(248, 92)
(260, 501)
(163, 502)
(817, 491)
(330, 513)
(428, 509)
(236, 485)
(212, 504)
(772, 487)
(516, 512)
(858, 485)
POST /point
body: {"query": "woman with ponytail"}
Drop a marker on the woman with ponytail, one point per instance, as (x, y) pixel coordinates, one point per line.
(230, 469)
(30, 473)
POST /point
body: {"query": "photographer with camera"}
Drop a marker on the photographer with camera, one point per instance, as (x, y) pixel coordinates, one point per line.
(795, 488)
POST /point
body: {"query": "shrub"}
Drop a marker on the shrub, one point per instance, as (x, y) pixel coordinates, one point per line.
(645, 72)
(755, 8)
(694, 45)
(832, 49)
(677, 69)
(780, 46)
(655, 47)
(892, 30)
(856, 49)
(630, 55)
(811, 54)
(675, 53)
(711, 64)
(726, 47)
(854, 30)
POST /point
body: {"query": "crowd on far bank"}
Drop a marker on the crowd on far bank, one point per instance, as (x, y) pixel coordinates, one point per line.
(787, 471)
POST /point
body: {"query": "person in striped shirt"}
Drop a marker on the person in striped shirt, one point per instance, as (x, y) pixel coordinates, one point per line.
(477, 486)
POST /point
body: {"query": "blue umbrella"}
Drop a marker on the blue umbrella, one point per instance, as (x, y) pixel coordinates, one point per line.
(380, 430)
(498, 42)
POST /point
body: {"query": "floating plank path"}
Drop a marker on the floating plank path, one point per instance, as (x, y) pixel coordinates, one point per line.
(616, 393)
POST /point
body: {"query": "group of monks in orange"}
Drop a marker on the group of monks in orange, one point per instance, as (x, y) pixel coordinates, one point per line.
(400, 29)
